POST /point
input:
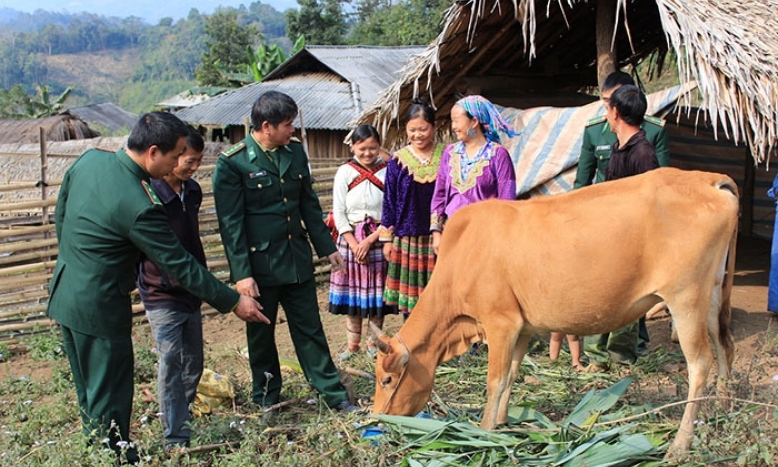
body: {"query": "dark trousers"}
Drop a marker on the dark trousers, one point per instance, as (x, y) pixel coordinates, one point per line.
(302, 313)
(103, 376)
(619, 346)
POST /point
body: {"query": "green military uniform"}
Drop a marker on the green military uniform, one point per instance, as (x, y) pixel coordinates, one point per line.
(267, 212)
(598, 141)
(107, 214)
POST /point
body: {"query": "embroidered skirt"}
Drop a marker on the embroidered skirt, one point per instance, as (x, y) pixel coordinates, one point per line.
(410, 267)
(358, 290)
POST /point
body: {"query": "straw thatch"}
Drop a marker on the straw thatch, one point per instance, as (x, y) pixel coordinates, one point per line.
(503, 48)
(62, 127)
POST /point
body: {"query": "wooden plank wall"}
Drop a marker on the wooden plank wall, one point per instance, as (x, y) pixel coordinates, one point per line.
(695, 148)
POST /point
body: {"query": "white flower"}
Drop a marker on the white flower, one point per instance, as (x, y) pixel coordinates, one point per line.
(27, 402)
(775, 378)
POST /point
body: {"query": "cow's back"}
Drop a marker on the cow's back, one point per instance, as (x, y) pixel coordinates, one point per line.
(613, 243)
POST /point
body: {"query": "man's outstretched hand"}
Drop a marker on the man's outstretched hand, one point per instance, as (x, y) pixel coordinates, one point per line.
(250, 310)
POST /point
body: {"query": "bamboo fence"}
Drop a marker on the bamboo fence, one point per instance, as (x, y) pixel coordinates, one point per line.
(28, 245)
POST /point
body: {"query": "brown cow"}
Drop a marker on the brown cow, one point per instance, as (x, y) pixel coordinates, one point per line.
(585, 262)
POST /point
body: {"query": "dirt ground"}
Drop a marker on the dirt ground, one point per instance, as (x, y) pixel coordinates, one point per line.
(750, 324)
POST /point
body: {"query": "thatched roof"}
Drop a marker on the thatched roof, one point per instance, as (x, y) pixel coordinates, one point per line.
(63, 127)
(540, 46)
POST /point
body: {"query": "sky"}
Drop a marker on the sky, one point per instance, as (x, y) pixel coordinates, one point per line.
(149, 10)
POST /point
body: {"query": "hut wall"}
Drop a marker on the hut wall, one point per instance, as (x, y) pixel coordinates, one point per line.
(327, 144)
(322, 144)
(697, 149)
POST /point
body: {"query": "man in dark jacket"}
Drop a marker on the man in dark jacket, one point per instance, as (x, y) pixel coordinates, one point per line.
(173, 312)
(632, 154)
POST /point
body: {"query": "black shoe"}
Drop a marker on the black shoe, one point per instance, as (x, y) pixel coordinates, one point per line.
(347, 407)
(642, 350)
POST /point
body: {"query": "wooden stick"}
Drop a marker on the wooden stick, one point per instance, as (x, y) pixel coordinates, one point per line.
(360, 373)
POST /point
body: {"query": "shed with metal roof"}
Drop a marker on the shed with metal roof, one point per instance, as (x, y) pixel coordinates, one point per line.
(332, 85)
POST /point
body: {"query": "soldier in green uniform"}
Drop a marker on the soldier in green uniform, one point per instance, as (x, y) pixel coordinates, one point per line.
(268, 212)
(598, 139)
(107, 214)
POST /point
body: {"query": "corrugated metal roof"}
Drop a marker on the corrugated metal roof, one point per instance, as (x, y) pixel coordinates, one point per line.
(324, 99)
(372, 68)
(183, 99)
(106, 115)
(331, 85)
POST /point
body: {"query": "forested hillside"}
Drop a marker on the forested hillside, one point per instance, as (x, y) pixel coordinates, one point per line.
(135, 64)
(122, 60)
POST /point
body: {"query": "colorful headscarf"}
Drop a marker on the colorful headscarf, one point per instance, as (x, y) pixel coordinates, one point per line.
(488, 115)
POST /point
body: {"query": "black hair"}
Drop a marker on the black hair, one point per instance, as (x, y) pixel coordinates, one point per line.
(273, 107)
(194, 140)
(420, 109)
(617, 78)
(631, 103)
(363, 132)
(159, 129)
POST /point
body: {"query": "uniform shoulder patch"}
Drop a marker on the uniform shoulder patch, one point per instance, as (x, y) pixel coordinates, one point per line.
(596, 120)
(655, 120)
(150, 191)
(234, 149)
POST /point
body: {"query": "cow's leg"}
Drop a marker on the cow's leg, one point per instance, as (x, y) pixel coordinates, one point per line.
(691, 319)
(722, 363)
(502, 343)
(518, 355)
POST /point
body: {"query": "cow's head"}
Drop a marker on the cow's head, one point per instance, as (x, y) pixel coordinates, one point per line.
(403, 385)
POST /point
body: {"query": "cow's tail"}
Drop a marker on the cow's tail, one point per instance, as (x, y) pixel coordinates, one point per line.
(725, 312)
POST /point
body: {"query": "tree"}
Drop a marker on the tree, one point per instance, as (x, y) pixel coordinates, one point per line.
(226, 42)
(404, 22)
(44, 106)
(268, 57)
(321, 22)
(15, 103)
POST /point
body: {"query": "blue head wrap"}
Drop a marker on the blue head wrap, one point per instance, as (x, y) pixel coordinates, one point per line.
(488, 115)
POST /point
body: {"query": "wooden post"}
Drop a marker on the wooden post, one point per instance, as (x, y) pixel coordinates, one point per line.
(303, 135)
(605, 24)
(747, 207)
(42, 182)
(246, 129)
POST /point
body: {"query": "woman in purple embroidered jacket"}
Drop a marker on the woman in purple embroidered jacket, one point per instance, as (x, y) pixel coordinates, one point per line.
(357, 196)
(474, 168)
(410, 182)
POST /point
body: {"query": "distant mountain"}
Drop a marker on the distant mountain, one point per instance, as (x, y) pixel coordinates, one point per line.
(151, 11)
